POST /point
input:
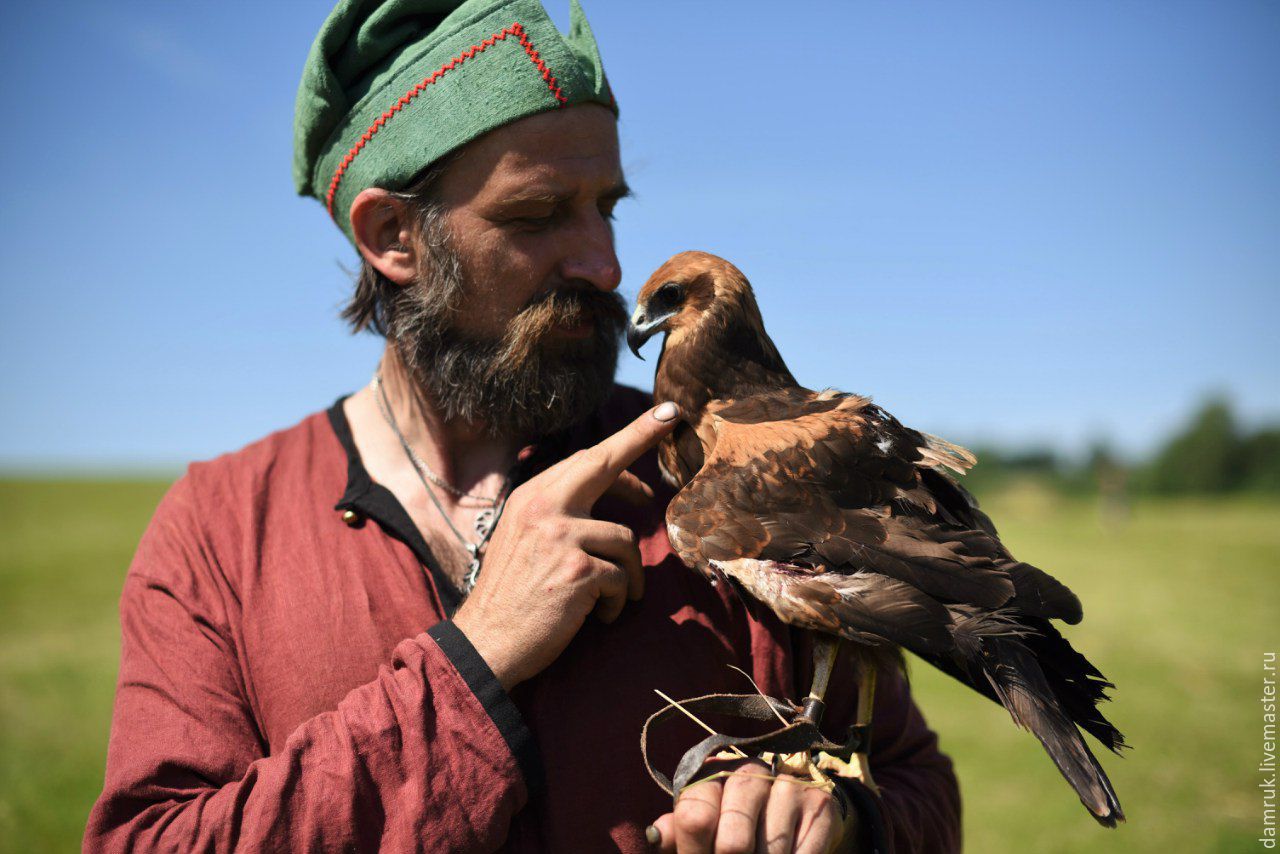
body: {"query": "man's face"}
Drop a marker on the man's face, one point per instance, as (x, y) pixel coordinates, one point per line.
(529, 208)
(515, 321)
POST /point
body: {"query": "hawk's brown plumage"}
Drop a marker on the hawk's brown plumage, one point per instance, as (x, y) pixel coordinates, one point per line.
(825, 508)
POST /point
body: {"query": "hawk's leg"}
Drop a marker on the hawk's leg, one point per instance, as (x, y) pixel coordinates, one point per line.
(825, 650)
(824, 656)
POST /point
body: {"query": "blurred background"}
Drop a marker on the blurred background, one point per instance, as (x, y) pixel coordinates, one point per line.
(1049, 231)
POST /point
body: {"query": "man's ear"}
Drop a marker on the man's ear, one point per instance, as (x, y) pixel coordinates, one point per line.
(382, 226)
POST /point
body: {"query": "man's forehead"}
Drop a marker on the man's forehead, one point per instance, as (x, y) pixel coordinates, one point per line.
(558, 151)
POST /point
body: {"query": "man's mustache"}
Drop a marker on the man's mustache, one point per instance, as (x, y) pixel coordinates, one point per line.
(569, 305)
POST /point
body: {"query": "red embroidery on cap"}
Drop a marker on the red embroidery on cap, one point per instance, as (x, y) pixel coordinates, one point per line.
(516, 29)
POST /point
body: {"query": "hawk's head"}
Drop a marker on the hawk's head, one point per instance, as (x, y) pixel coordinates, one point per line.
(689, 291)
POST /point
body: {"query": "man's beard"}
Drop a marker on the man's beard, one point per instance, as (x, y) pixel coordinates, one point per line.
(529, 382)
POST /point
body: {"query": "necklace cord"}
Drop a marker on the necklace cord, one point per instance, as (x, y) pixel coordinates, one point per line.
(420, 462)
(498, 504)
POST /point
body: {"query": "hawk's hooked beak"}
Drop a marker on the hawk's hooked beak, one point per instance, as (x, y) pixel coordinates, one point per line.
(642, 328)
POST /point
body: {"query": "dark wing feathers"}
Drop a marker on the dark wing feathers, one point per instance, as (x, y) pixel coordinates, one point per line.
(954, 503)
(880, 543)
(867, 608)
(887, 608)
(1041, 595)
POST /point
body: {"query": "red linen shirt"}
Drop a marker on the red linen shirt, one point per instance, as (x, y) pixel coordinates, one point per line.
(292, 682)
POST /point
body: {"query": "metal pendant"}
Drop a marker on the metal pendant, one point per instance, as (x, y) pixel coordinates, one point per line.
(473, 570)
(485, 521)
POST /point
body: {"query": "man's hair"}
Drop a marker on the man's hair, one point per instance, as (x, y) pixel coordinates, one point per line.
(371, 305)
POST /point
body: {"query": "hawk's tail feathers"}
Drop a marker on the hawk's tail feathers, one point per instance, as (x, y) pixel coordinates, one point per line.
(1023, 690)
(1076, 682)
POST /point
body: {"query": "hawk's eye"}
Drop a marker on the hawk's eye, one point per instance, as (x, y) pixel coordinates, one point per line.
(668, 296)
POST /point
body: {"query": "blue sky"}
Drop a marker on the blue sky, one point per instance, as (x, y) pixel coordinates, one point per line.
(1017, 222)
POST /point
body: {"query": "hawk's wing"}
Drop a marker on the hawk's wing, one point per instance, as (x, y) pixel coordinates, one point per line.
(829, 510)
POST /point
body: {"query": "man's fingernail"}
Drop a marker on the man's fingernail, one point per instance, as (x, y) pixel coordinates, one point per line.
(666, 411)
(652, 834)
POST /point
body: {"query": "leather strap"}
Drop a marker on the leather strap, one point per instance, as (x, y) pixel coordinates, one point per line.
(799, 733)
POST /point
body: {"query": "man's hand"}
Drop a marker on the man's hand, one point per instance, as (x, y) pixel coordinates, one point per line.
(550, 564)
(749, 812)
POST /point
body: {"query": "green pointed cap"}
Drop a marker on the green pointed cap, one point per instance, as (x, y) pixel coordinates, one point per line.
(391, 87)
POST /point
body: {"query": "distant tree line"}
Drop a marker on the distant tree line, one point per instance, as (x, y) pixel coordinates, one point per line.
(1212, 454)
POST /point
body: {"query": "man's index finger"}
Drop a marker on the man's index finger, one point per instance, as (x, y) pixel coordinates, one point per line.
(598, 468)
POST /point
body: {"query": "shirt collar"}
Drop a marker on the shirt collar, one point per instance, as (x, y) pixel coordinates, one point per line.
(365, 499)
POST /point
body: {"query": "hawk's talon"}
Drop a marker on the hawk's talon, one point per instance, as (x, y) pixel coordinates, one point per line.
(857, 768)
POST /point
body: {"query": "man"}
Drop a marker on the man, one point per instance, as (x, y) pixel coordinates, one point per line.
(433, 618)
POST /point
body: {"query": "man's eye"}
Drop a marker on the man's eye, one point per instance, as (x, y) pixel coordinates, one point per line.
(536, 221)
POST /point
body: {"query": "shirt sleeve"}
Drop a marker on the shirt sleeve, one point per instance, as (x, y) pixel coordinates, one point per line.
(187, 767)
(917, 808)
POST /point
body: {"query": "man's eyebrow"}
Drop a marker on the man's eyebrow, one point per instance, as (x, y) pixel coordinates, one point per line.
(615, 193)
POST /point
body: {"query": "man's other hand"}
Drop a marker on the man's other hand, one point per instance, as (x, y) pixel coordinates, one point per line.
(550, 564)
(751, 812)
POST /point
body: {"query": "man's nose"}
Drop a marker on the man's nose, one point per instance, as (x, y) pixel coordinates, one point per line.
(589, 254)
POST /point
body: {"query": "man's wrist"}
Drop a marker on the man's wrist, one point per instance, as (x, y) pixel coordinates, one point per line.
(490, 648)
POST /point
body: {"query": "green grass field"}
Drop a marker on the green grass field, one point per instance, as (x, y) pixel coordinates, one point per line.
(1179, 603)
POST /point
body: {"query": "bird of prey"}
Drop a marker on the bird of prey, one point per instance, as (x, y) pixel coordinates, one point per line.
(826, 509)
